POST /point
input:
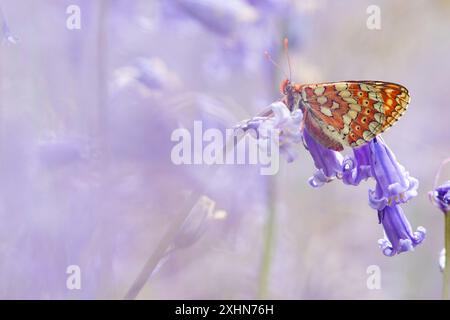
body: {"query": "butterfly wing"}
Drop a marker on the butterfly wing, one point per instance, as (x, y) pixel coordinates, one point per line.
(354, 112)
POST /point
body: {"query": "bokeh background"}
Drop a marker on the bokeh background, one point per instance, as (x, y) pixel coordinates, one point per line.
(85, 171)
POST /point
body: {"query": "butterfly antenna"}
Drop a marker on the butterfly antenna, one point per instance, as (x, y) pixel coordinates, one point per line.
(276, 65)
(286, 52)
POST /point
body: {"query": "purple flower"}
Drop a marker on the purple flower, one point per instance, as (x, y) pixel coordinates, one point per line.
(440, 197)
(394, 184)
(277, 117)
(289, 126)
(328, 162)
(399, 236)
(357, 168)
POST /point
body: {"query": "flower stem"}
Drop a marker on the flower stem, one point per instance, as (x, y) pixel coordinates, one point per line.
(161, 248)
(172, 231)
(446, 286)
(269, 235)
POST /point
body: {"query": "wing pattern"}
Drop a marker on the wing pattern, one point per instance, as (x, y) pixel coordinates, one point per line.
(354, 112)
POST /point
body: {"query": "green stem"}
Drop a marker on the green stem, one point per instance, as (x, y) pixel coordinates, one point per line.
(446, 287)
(269, 232)
(269, 235)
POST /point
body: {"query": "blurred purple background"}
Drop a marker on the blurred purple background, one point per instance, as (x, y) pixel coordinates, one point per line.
(85, 171)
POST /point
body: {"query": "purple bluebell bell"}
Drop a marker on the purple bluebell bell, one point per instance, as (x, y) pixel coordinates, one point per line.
(278, 117)
(399, 236)
(357, 168)
(394, 184)
(327, 162)
(440, 197)
(288, 123)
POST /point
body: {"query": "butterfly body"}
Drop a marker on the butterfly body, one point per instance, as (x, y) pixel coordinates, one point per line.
(347, 113)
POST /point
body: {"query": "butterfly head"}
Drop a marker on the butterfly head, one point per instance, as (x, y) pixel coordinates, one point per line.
(285, 87)
(291, 92)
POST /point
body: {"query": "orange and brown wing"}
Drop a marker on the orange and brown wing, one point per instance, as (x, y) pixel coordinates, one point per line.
(354, 112)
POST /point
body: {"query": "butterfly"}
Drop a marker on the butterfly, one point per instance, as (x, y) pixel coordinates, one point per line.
(346, 113)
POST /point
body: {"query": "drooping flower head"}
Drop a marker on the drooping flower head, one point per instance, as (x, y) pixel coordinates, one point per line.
(399, 236)
(440, 197)
(394, 186)
(357, 168)
(327, 162)
(278, 117)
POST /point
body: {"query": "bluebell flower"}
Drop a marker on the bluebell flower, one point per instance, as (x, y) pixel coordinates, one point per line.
(399, 236)
(288, 125)
(278, 117)
(394, 184)
(440, 197)
(328, 162)
(357, 168)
